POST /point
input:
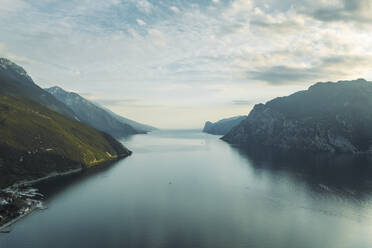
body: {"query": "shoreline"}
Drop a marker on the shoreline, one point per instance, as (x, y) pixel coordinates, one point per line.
(52, 176)
(49, 176)
(10, 223)
(32, 182)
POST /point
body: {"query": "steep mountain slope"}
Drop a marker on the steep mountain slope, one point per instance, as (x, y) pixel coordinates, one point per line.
(91, 114)
(223, 126)
(36, 141)
(138, 126)
(15, 81)
(328, 117)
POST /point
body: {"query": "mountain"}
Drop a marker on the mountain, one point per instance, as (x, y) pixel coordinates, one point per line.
(37, 142)
(223, 126)
(15, 81)
(138, 126)
(328, 117)
(92, 115)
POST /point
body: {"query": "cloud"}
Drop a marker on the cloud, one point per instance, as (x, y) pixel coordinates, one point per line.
(115, 102)
(9, 6)
(157, 37)
(19, 59)
(279, 23)
(144, 6)
(141, 22)
(343, 11)
(284, 74)
(127, 103)
(174, 9)
(327, 68)
(243, 102)
(238, 12)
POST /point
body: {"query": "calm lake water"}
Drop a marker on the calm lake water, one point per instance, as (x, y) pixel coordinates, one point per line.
(189, 189)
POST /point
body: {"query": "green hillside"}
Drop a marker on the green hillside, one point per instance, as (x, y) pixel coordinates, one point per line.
(36, 141)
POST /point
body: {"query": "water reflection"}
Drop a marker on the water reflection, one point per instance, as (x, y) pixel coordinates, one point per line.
(53, 187)
(346, 175)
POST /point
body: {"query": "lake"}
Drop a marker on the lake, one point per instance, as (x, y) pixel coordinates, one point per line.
(190, 189)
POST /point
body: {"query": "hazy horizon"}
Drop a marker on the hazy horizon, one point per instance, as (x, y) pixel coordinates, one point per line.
(177, 64)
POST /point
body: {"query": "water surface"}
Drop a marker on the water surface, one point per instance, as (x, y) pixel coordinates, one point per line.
(189, 189)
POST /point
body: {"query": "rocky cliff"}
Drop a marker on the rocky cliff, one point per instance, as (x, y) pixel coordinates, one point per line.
(328, 117)
(223, 126)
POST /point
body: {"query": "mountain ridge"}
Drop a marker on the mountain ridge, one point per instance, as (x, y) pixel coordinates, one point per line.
(15, 81)
(91, 114)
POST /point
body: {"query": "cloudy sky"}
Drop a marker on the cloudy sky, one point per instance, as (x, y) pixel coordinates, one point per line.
(177, 63)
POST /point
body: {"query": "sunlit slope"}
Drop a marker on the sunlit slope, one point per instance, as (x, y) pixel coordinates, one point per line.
(36, 141)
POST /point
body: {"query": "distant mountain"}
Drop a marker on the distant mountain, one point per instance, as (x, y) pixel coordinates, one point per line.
(138, 126)
(15, 81)
(223, 126)
(37, 142)
(90, 114)
(328, 117)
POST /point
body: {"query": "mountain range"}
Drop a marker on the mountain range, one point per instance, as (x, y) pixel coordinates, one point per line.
(97, 117)
(41, 136)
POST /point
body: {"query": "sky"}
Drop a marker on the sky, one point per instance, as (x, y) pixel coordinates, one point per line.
(179, 63)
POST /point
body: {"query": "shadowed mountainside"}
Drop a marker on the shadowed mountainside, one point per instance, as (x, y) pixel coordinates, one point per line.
(92, 115)
(328, 117)
(138, 126)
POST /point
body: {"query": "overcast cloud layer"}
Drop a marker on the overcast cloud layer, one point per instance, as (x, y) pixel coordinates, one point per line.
(177, 63)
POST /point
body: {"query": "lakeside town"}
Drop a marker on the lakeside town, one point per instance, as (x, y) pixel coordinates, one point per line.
(17, 202)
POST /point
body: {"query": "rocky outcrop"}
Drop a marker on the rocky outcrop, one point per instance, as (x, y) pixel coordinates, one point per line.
(328, 117)
(223, 126)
